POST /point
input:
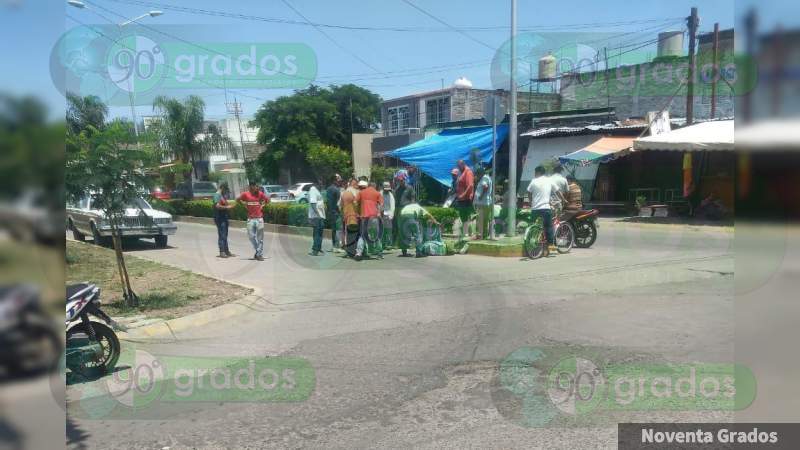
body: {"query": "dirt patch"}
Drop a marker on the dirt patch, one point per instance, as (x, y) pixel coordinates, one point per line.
(164, 292)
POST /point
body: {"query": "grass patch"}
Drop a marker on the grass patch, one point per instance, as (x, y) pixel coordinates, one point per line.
(36, 264)
(163, 291)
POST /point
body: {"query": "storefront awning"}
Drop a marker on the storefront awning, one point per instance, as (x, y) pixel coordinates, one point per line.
(602, 150)
(437, 155)
(715, 135)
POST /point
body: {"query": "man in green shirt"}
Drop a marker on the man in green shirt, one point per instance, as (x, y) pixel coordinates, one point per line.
(412, 217)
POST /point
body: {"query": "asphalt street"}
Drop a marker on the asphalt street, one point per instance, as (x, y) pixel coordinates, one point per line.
(407, 352)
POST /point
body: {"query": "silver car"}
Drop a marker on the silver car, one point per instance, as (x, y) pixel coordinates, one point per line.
(140, 221)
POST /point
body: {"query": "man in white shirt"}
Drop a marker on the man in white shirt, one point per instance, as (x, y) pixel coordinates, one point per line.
(541, 188)
(387, 214)
(560, 189)
(316, 216)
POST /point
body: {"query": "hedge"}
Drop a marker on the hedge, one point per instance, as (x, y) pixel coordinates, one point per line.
(278, 213)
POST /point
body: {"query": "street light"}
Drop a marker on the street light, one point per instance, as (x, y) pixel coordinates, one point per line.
(154, 13)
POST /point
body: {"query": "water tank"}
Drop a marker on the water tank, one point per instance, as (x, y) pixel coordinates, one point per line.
(670, 43)
(462, 82)
(547, 67)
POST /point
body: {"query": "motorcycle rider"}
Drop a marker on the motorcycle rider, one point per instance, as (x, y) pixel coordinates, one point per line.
(574, 202)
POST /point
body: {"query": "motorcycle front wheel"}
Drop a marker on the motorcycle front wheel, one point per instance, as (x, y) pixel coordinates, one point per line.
(109, 343)
(564, 238)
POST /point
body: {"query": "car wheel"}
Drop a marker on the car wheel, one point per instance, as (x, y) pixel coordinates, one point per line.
(98, 240)
(302, 201)
(77, 235)
(161, 241)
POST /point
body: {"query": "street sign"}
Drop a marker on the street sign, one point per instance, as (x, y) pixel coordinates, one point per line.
(494, 109)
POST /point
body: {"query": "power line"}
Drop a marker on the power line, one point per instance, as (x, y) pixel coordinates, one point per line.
(330, 38)
(461, 32)
(241, 16)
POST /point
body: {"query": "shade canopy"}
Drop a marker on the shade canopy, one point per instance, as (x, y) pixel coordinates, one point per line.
(715, 135)
(437, 155)
(769, 135)
(602, 150)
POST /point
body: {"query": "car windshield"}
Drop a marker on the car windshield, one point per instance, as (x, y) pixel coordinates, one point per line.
(138, 203)
(297, 186)
(271, 189)
(205, 186)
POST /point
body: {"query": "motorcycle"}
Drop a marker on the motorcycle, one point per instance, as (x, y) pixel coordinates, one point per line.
(585, 225)
(92, 347)
(28, 336)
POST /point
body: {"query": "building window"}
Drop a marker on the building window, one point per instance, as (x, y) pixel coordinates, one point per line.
(398, 119)
(437, 110)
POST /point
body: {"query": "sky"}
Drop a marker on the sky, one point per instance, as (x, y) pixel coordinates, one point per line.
(390, 63)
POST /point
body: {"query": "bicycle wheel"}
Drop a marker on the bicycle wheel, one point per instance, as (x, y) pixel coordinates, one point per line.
(533, 242)
(565, 237)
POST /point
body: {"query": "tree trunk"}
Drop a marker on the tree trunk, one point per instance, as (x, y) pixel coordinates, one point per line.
(131, 299)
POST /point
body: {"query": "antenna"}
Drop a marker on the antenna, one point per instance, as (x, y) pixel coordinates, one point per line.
(235, 108)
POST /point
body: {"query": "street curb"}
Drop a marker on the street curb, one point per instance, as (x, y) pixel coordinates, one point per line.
(168, 328)
(617, 222)
(269, 227)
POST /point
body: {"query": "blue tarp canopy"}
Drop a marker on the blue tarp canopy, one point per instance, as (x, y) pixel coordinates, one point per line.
(437, 155)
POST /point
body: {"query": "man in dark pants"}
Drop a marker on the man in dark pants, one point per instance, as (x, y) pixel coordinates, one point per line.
(221, 207)
(400, 198)
(540, 189)
(332, 195)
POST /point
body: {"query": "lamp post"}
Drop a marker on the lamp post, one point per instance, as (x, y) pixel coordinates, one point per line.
(512, 129)
(131, 94)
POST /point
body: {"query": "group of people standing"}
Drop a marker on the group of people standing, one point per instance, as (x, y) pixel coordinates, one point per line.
(363, 221)
(469, 197)
(254, 200)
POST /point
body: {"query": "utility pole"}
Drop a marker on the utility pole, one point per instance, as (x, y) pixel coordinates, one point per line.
(608, 91)
(511, 229)
(235, 108)
(750, 22)
(693, 22)
(715, 71)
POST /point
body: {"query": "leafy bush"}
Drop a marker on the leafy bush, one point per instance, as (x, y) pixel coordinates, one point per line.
(445, 216)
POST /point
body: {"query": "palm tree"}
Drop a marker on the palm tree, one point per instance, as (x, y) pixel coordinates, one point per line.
(216, 143)
(85, 111)
(180, 124)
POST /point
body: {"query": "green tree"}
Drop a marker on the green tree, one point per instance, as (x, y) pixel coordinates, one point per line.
(108, 164)
(356, 103)
(181, 123)
(327, 160)
(290, 126)
(31, 150)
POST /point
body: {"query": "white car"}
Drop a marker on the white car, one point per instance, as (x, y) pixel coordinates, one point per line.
(140, 221)
(300, 192)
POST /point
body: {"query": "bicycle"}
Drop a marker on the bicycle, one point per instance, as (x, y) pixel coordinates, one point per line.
(535, 238)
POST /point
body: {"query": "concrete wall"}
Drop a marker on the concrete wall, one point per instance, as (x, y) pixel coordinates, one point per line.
(637, 89)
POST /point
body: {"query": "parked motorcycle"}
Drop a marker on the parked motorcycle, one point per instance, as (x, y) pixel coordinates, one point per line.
(92, 347)
(585, 225)
(28, 336)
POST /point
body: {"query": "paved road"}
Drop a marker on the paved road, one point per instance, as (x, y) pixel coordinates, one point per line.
(407, 351)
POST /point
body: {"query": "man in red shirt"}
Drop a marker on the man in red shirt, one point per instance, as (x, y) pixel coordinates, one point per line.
(254, 200)
(370, 202)
(465, 189)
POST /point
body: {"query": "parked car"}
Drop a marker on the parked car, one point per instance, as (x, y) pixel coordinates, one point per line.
(31, 218)
(300, 192)
(160, 193)
(277, 193)
(140, 221)
(197, 190)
